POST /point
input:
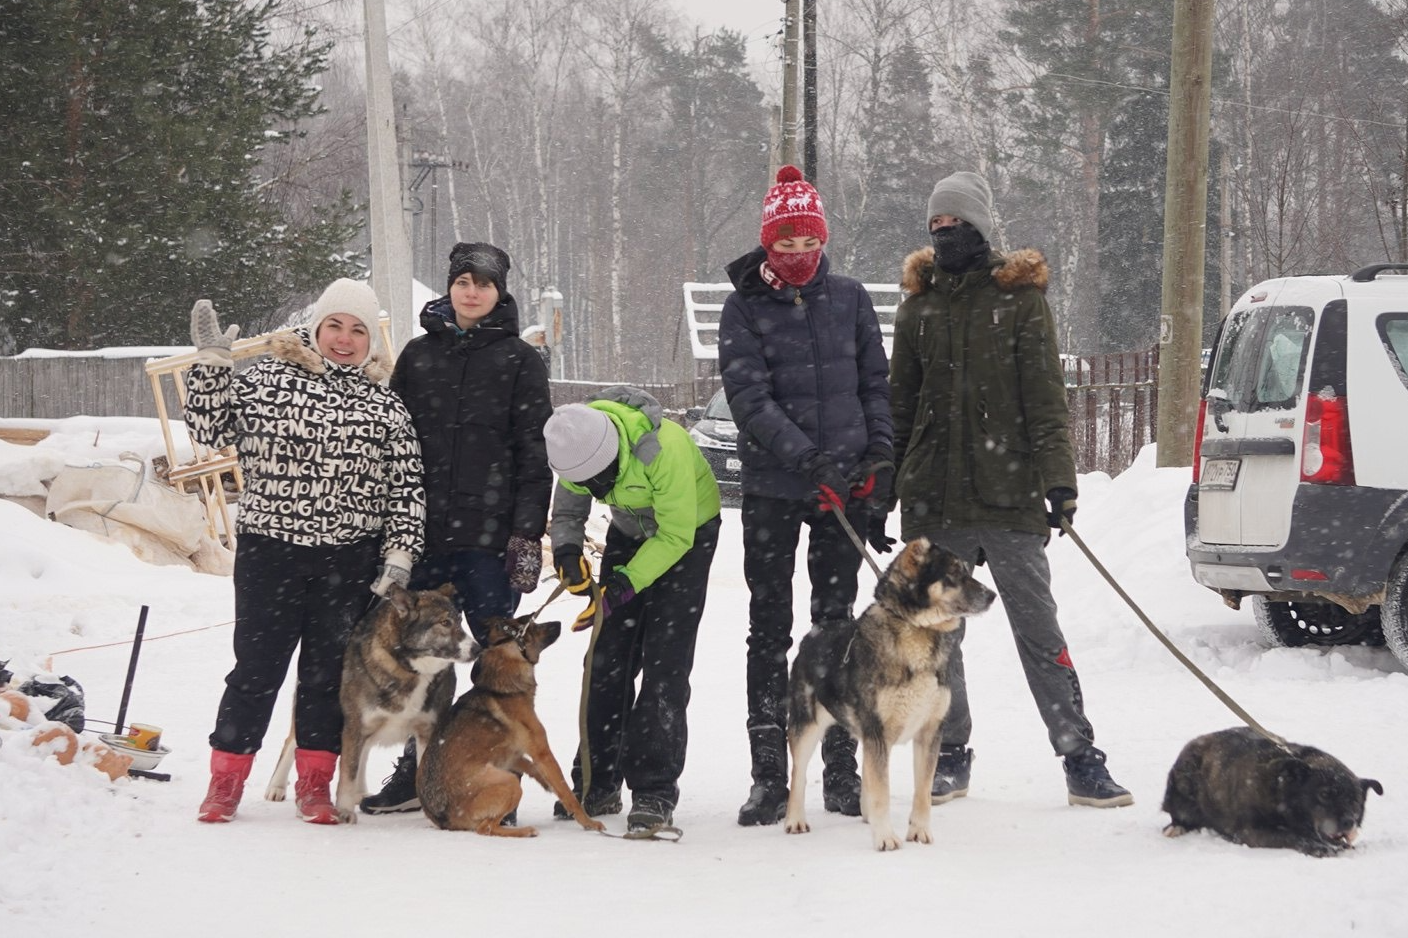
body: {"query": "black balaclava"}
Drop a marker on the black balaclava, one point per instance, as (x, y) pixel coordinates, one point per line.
(959, 248)
(601, 484)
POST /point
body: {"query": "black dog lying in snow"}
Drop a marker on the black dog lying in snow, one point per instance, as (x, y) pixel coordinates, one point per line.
(1252, 791)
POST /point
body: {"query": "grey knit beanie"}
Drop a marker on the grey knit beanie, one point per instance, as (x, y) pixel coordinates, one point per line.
(966, 196)
(581, 441)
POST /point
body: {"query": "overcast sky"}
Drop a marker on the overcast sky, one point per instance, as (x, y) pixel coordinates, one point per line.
(757, 20)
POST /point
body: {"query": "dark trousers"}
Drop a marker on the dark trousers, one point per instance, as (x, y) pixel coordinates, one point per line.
(771, 530)
(286, 595)
(639, 737)
(481, 585)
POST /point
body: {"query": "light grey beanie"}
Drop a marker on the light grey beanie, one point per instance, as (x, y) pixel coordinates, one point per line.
(353, 298)
(581, 441)
(963, 195)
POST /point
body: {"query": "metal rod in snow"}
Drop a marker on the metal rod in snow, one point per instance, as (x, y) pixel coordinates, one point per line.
(131, 670)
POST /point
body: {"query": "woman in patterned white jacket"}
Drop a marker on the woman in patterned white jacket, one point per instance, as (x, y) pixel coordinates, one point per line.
(332, 506)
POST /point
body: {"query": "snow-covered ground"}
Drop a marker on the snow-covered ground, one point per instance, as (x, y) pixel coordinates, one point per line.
(84, 856)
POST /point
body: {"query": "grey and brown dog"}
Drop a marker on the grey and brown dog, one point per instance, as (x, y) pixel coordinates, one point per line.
(398, 678)
(882, 678)
(1251, 790)
(469, 778)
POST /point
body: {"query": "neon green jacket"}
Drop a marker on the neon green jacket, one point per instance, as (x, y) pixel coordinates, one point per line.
(664, 490)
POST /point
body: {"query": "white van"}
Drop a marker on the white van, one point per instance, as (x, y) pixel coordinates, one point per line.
(1300, 476)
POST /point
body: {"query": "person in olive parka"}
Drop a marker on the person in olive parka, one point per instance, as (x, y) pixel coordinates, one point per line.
(985, 461)
(478, 395)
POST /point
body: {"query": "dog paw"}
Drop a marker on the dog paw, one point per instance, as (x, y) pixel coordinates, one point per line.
(919, 835)
(347, 815)
(1174, 830)
(592, 824)
(798, 826)
(275, 793)
(886, 841)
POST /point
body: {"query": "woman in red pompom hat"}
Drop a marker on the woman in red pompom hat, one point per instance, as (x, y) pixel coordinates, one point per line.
(807, 381)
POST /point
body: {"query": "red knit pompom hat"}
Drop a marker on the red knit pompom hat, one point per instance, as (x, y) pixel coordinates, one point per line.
(792, 209)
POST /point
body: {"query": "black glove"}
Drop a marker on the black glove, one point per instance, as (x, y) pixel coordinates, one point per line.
(833, 491)
(873, 477)
(572, 568)
(1063, 505)
(876, 537)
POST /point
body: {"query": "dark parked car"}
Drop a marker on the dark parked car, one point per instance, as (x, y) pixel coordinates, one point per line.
(717, 436)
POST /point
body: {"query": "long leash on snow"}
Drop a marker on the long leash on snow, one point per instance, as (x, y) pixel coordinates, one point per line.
(1183, 659)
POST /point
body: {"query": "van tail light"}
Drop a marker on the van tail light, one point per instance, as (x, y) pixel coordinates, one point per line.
(1198, 440)
(1325, 457)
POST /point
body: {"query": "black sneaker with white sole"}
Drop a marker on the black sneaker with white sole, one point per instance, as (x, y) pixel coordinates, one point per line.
(398, 790)
(951, 774)
(1088, 782)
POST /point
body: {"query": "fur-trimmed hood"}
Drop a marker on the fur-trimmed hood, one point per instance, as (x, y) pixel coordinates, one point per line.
(1023, 268)
(296, 346)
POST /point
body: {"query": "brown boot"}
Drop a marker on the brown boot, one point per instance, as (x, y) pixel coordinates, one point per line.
(228, 770)
(313, 790)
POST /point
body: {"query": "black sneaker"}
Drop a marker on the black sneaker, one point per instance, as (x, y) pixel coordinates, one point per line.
(766, 804)
(951, 774)
(595, 804)
(840, 794)
(649, 814)
(398, 790)
(1088, 782)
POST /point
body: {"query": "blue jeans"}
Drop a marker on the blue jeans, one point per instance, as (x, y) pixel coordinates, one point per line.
(481, 585)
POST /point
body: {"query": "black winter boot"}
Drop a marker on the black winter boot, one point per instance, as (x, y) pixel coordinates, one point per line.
(398, 791)
(840, 784)
(1088, 782)
(767, 799)
(951, 774)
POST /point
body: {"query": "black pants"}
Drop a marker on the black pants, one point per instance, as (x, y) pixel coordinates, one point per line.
(284, 595)
(640, 737)
(771, 530)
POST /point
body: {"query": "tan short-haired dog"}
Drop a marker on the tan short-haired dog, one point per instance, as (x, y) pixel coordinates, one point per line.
(469, 778)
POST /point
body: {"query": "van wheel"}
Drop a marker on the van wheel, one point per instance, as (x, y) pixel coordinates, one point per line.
(1297, 624)
(1395, 610)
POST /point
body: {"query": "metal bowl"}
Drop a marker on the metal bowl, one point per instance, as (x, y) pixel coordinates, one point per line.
(142, 759)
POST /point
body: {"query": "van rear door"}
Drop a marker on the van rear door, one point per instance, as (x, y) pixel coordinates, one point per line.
(1252, 429)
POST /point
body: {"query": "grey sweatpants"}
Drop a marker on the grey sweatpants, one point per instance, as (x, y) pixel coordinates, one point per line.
(1023, 580)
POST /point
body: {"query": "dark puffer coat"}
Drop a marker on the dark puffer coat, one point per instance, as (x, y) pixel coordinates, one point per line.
(479, 400)
(979, 398)
(804, 371)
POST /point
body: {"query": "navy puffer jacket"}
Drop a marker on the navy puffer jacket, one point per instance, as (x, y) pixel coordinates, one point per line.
(804, 371)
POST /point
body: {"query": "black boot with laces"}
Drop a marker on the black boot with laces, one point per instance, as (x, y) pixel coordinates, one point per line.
(398, 790)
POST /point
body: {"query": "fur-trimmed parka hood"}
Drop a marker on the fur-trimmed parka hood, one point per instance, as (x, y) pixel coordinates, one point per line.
(1022, 268)
(296, 346)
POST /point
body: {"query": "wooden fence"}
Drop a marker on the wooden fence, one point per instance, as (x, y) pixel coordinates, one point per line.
(1114, 402)
(1113, 398)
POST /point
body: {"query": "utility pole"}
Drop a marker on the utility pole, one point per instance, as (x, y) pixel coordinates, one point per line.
(809, 115)
(1185, 230)
(391, 248)
(791, 60)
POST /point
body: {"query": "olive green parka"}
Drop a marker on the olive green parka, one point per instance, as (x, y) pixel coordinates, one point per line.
(978, 397)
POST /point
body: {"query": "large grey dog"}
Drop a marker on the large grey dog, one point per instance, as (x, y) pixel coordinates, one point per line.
(881, 677)
(398, 678)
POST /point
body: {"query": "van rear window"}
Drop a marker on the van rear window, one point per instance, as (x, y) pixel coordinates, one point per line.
(1393, 330)
(1261, 357)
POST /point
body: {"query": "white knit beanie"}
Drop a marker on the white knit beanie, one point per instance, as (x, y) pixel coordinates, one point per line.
(353, 298)
(581, 441)
(963, 195)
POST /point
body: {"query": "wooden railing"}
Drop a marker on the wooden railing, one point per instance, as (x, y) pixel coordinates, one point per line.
(1114, 402)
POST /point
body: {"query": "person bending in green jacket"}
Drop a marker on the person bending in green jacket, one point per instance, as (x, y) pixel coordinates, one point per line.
(985, 462)
(654, 576)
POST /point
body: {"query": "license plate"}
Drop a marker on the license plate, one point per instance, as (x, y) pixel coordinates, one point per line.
(733, 464)
(1220, 474)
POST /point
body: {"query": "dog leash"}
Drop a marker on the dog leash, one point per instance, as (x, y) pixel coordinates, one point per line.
(855, 539)
(1208, 682)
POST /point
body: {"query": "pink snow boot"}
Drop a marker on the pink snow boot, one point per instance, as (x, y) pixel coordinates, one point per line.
(228, 770)
(313, 791)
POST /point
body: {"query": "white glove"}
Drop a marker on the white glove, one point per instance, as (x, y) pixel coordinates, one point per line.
(212, 345)
(395, 568)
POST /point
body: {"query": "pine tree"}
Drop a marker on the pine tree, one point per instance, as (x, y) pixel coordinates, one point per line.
(129, 170)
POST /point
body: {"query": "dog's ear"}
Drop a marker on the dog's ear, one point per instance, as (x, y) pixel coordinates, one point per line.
(1369, 784)
(447, 590)
(401, 598)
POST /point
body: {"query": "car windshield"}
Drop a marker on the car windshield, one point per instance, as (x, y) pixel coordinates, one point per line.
(718, 408)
